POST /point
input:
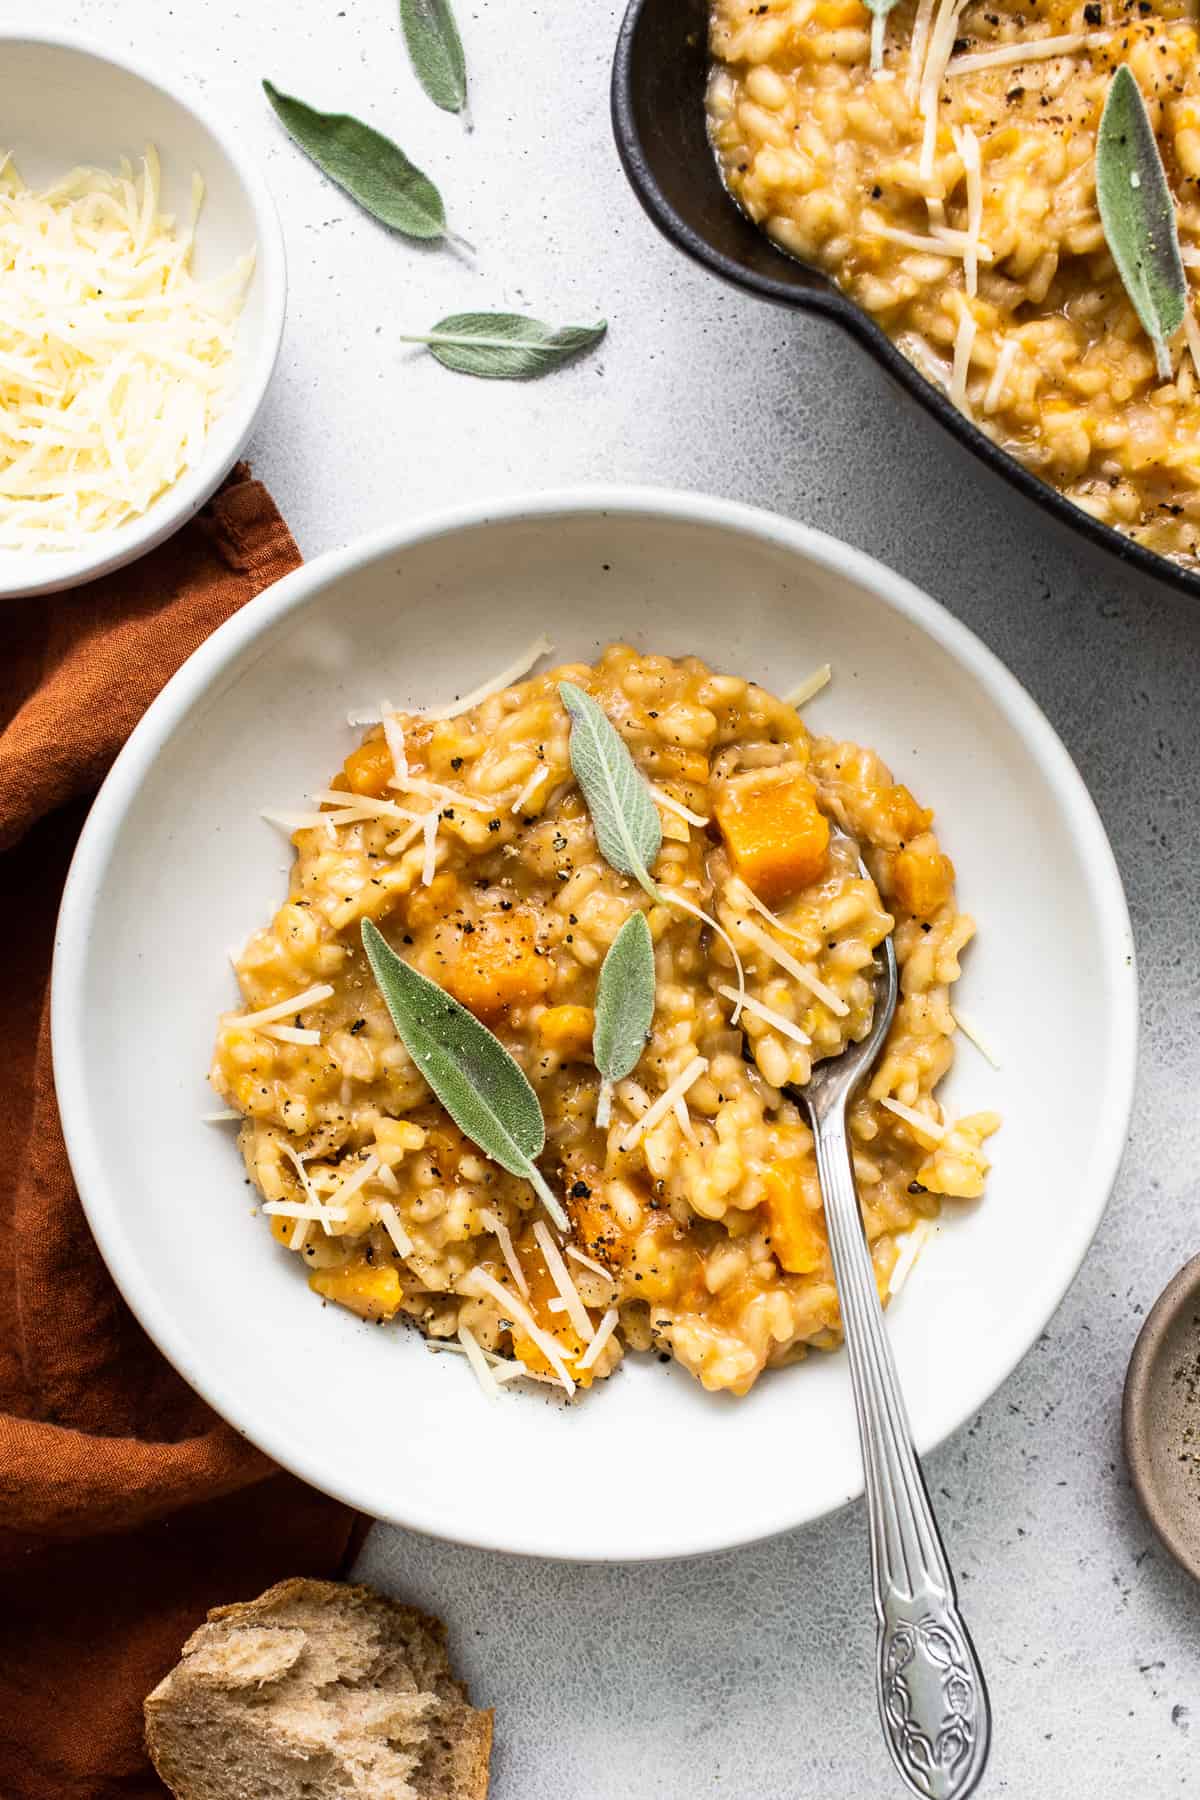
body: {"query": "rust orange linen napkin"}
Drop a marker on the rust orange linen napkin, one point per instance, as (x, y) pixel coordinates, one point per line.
(127, 1508)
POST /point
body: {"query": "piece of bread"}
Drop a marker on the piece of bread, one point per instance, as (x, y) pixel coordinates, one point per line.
(313, 1691)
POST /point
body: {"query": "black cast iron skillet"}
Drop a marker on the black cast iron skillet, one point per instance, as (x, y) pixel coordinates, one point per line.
(659, 77)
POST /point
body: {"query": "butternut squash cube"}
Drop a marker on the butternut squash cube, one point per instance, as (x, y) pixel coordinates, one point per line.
(498, 966)
(567, 1029)
(369, 768)
(798, 1238)
(776, 834)
(924, 879)
(372, 1290)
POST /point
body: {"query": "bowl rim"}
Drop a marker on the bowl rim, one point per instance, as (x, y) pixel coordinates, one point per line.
(184, 498)
(1181, 1291)
(101, 1197)
(829, 301)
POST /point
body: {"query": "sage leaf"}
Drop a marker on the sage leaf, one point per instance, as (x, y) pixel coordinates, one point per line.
(505, 346)
(1138, 215)
(483, 1088)
(436, 52)
(624, 999)
(367, 165)
(624, 816)
(879, 10)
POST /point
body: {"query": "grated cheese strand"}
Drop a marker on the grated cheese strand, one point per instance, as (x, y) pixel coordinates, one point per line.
(974, 1035)
(941, 44)
(541, 646)
(968, 150)
(604, 1331)
(914, 1243)
(393, 735)
(514, 1308)
(436, 790)
(671, 897)
(1006, 56)
(917, 49)
(560, 1275)
(495, 1224)
(291, 1034)
(666, 1100)
(676, 806)
(302, 1209)
(389, 1218)
(810, 687)
(267, 1015)
(478, 1362)
(964, 340)
(816, 987)
(919, 1121)
(367, 804)
(768, 1015)
(530, 789)
(589, 1262)
(429, 825)
(1000, 374)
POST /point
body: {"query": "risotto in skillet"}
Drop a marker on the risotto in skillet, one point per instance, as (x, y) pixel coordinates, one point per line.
(679, 1209)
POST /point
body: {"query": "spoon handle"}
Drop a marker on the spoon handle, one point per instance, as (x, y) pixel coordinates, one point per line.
(933, 1702)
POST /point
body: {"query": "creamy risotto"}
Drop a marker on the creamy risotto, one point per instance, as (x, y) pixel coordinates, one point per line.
(952, 193)
(696, 1227)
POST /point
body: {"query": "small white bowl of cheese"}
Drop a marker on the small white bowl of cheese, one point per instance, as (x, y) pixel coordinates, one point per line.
(142, 296)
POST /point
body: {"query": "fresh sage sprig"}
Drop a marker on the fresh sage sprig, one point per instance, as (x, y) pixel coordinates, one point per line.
(624, 1007)
(624, 816)
(436, 51)
(505, 346)
(370, 168)
(1138, 215)
(481, 1086)
(879, 10)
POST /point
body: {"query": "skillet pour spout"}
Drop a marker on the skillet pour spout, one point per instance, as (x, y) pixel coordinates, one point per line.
(660, 73)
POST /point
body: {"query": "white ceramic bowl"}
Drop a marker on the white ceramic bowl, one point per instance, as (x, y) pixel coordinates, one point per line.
(175, 866)
(64, 102)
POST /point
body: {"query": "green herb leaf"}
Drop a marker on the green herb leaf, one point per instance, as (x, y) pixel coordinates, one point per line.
(624, 816)
(370, 168)
(481, 1086)
(1138, 214)
(879, 10)
(436, 51)
(505, 346)
(624, 1000)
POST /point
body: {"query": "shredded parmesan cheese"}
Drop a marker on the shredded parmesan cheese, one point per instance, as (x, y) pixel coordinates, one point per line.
(219, 1118)
(676, 806)
(941, 43)
(429, 826)
(968, 149)
(351, 1184)
(389, 1218)
(478, 1362)
(312, 996)
(604, 1331)
(530, 789)
(514, 1308)
(971, 1031)
(1006, 56)
(1000, 374)
(665, 1102)
(393, 734)
(540, 647)
(398, 845)
(435, 790)
(366, 804)
(1191, 333)
(914, 1243)
(964, 339)
(768, 1015)
(683, 1119)
(115, 361)
(589, 1262)
(917, 48)
(560, 1275)
(919, 1121)
(495, 1224)
(816, 987)
(305, 1209)
(291, 1034)
(810, 687)
(739, 894)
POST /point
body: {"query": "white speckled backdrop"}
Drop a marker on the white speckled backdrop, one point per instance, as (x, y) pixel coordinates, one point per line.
(748, 1675)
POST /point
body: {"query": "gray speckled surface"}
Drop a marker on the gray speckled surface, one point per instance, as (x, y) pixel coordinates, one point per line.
(748, 1675)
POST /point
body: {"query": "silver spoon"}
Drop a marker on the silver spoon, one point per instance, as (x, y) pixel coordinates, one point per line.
(933, 1703)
